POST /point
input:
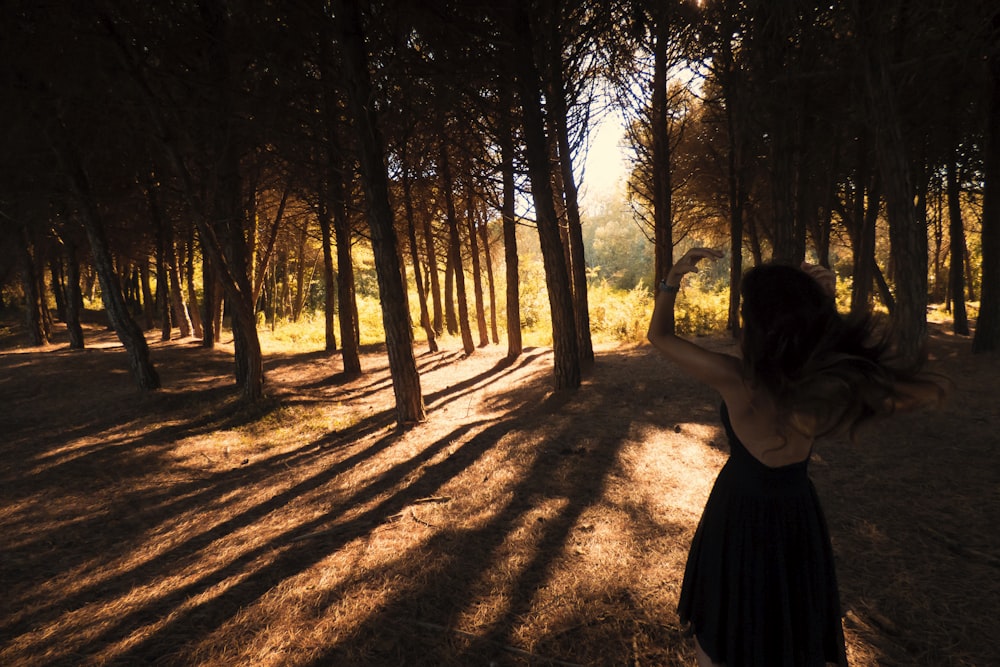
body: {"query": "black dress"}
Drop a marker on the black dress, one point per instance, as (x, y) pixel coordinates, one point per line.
(760, 588)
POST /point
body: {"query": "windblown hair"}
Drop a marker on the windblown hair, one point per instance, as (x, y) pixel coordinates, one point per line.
(836, 372)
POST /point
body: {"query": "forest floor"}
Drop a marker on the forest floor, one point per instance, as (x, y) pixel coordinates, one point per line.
(514, 526)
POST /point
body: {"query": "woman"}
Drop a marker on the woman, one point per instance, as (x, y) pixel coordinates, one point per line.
(759, 587)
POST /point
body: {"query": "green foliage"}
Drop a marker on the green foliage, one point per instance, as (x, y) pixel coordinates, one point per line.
(617, 251)
(701, 308)
(617, 314)
(534, 294)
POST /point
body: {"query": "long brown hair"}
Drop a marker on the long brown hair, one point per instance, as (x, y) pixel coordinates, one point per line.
(837, 372)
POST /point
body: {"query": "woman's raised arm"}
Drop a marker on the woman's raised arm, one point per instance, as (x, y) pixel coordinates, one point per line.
(717, 370)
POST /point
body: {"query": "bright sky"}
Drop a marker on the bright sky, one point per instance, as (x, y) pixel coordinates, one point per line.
(605, 167)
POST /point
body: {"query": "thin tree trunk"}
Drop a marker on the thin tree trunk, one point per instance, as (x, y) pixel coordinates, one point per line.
(434, 276)
(191, 309)
(162, 283)
(455, 250)
(58, 287)
(350, 352)
(956, 234)
(300, 274)
(34, 319)
(488, 256)
(73, 297)
(395, 319)
(450, 314)
(506, 139)
(411, 231)
(329, 295)
(737, 191)
(148, 307)
(663, 243)
(477, 274)
(864, 245)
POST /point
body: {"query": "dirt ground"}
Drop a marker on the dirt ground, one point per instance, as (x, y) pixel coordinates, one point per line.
(513, 527)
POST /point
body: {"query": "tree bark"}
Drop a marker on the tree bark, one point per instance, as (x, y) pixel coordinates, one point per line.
(578, 263)
(956, 234)
(411, 231)
(455, 250)
(350, 352)
(300, 273)
(506, 140)
(864, 236)
(987, 336)
(477, 269)
(34, 318)
(488, 256)
(735, 180)
(450, 315)
(129, 333)
(191, 307)
(907, 238)
(73, 297)
(564, 337)
(329, 294)
(395, 319)
(663, 242)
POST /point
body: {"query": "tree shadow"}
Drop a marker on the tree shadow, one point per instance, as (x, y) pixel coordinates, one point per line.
(560, 473)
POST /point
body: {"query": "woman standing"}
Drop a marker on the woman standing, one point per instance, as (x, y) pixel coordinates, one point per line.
(759, 588)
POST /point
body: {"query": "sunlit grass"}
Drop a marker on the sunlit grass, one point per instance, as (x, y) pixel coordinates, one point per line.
(616, 316)
(937, 313)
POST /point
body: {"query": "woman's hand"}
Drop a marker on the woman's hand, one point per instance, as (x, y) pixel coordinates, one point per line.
(826, 278)
(689, 263)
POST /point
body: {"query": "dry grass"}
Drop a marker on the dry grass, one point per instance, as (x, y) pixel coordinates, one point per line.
(513, 527)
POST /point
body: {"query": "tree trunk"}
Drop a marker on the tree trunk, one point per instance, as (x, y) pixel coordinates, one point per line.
(223, 236)
(663, 242)
(129, 333)
(488, 256)
(418, 280)
(450, 316)
(210, 301)
(864, 241)
(191, 307)
(395, 318)
(162, 284)
(735, 183)
(564, 336)
(956, 234)
(148, 307)
(58, 287)
(987, 336)
(329, 296)
(34, 318)
(578, 262)
(300, 273)
(455, 250)
(350, 352)
(907, 238)
(506, 140)
(265, 258)
(73, 297)
(477, 269)
(434, 277)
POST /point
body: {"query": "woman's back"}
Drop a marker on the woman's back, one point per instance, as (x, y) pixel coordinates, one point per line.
(758, 424)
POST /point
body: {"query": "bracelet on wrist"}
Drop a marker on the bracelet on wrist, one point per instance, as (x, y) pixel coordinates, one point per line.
(667, 287)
